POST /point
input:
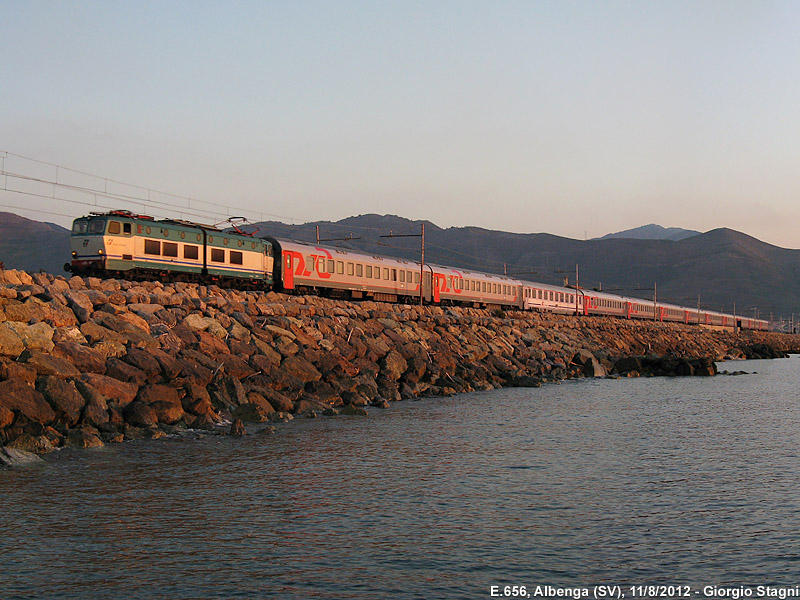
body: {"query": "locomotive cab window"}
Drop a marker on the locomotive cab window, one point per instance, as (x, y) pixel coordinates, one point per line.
(217, 255)
(126, 228)
(237, 258)
(191, 252)
(114, 227)
(97, 226)
(80, 227)
(359, 270)
(350, 268)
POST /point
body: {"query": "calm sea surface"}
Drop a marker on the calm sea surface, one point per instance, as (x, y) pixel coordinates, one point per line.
(689, 481)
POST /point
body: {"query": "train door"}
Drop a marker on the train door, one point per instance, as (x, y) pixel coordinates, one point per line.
(288, 271)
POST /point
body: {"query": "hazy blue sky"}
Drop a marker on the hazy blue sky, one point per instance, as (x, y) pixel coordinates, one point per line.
(574, 118)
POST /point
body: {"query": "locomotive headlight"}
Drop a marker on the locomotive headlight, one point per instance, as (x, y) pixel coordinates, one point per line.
(74, 254)
(99, 251)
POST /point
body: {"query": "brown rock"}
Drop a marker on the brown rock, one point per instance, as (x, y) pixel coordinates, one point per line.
(157, 392)
(26, 442)
(168, 412)
(64, 397)
(84, 358)
(22, 398)
(144, 361)
(235, 366)
(119, 369)
(47, 364)
(393, 365)
(83, 438)
(251, 412)
(299, 367)
(120, 392)
(237, 428)
(10, 342)
(6, 417)
(19, 371)
(140, 414)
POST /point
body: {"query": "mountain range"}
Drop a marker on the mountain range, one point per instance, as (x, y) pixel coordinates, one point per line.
(652, 232)
(715, 269)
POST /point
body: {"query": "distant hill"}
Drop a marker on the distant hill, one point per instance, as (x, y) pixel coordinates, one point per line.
(32, 245)
(652, 232)
(720, 267)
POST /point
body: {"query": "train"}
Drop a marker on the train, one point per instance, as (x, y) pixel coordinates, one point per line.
(123, 244)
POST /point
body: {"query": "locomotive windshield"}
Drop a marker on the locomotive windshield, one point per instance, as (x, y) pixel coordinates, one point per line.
(80, 226)
(97, 226)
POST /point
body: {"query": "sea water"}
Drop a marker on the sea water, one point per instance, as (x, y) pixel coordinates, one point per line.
(689, 482)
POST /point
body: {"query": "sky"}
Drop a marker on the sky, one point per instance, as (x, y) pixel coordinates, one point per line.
(576, 118)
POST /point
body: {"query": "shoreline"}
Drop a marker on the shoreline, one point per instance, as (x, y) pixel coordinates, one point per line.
(87, 362)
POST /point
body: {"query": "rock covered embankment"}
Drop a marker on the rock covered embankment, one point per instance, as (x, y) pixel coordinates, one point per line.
(86, 361)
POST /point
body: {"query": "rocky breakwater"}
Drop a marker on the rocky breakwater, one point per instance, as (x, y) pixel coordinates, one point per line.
(84, 362)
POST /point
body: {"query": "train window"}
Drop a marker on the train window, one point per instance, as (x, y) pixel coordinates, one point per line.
(340, 267)
(200, 238)
(210, 238)
(386, 273)
(359, 270)
(97, 226)
(170, 249)
(369, 271)
(402, 276)
(253, 245)
(147, 230)
(152, 247)
(225, 241)
(408, 276)
(241, 243)
(217, 255)
(377, 272)
(394, 274)
(183, 235)
(114, 227)
(237, 258)
(190, 251)
(416, 277)
(165, 232)
(350, 268)
(330, 265)
(80, 227)
(126, 228)
(320, 265)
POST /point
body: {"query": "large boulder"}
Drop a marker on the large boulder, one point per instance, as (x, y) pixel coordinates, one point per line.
(65, 399)
(48, 364)
(120, 392)
(86, 359)
(21, 398)
(140, 414)
(10, 343)
(393, 365)
(301, 368)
